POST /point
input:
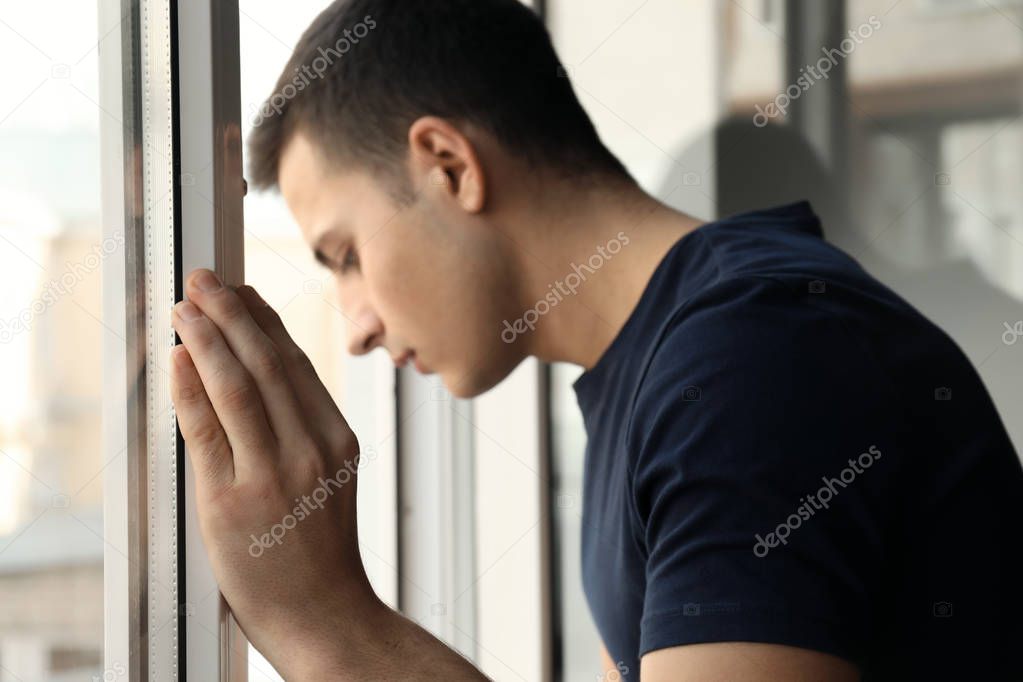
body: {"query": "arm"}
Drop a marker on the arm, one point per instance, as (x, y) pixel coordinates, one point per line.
(749, 661)
(276, 471)
(605, 661)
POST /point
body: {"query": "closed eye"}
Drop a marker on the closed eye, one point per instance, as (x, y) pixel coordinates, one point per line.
(349, 260)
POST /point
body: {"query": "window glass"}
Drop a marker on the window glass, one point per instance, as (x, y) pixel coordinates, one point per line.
(935, 168)
(51, 338)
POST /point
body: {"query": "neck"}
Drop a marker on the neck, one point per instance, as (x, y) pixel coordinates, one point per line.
(590, 254)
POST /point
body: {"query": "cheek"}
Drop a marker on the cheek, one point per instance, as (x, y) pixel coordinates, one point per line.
(404, 286)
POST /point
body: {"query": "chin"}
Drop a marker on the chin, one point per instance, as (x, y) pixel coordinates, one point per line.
(464, 387)
(465, 384)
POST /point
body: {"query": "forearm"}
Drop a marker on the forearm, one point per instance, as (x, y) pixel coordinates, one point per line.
(386, 646)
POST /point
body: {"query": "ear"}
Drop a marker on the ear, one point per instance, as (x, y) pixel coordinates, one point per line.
(448, 160)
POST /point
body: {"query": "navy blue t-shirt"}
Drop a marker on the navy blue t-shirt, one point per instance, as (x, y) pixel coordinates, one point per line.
(780, 449)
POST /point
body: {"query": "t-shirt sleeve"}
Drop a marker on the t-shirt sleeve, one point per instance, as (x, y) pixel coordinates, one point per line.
(761, 457)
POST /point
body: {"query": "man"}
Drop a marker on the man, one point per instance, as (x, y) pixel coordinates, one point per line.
(790, 473)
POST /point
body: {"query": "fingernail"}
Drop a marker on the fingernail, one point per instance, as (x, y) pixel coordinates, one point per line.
(207, 281)
(187, 311)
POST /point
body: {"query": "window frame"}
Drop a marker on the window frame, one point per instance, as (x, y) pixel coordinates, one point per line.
(172, 184)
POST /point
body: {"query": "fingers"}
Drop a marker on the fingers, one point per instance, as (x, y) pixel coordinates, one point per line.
(231, 390)
(314, 398)
(207, 443)
(255, 351)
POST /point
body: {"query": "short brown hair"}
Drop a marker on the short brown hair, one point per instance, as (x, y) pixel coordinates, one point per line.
(366, 69)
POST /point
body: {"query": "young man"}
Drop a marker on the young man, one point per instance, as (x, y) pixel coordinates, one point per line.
(790, 474)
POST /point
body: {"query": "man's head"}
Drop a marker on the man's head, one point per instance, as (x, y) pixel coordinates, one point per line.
(408, 138)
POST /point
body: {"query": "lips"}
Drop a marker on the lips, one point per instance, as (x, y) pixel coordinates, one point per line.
(420, 367)
(410, 356)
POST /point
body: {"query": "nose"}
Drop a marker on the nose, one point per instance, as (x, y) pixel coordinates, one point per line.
(365, 328)
(365, 332)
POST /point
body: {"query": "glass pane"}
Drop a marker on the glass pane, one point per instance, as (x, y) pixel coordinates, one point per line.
(51, 337)
(936, 173)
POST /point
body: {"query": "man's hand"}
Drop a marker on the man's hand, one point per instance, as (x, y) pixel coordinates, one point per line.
(276, 467)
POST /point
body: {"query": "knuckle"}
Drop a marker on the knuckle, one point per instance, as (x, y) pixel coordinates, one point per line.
(205, 438)
(203, 336)
(301, 360)
(238, 396)
(308, 468)
(263, 490)
(232, 307)
(344, 445)
(188, 394)
(266, 317)
(212, 454)
(269, 362)
(270, 315)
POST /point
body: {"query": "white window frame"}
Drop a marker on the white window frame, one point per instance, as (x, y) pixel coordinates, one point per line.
(172, 185)
(475, 520)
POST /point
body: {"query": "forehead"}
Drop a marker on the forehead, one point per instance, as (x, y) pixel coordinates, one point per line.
(326, 199)
(322, 199)
(301, 176)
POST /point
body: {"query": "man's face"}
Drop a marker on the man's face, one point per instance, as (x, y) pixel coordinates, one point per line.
(427, 281)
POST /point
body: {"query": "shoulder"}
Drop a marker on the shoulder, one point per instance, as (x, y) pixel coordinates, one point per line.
(741, 334)
(748, 365)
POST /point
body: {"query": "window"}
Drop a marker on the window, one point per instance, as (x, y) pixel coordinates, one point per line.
(52, 247)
